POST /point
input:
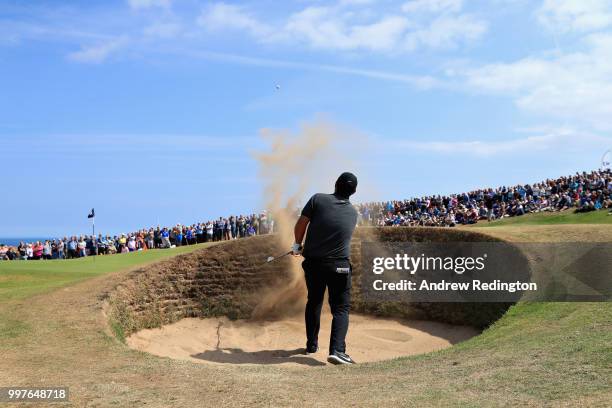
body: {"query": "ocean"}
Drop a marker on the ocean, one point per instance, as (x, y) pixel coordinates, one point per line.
(16, 241)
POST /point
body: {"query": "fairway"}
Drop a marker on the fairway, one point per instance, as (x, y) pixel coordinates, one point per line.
(21, 279)
(551, 218)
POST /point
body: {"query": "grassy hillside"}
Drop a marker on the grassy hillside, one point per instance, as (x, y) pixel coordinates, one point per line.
(21, 279)
(548, 218)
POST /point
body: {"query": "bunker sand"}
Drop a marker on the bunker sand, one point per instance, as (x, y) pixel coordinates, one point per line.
(222, 341)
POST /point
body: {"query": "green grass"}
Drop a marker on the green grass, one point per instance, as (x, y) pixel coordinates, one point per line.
(537, 354)
(22, 279)
(548, 218)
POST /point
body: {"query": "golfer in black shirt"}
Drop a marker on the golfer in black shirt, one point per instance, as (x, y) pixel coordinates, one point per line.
(331, 220)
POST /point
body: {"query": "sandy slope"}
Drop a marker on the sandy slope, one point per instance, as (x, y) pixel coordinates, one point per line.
(221, 341)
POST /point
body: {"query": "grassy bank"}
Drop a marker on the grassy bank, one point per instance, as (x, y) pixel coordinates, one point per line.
(549, 218)
(22, 279)
(538, 354)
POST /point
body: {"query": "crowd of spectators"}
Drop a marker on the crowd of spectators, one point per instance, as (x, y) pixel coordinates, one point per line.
(233, 227)
(581, 192)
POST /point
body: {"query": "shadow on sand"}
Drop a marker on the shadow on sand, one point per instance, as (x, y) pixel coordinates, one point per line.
(239, 356)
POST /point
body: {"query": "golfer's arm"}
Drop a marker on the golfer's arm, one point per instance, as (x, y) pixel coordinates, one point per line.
(300, 228)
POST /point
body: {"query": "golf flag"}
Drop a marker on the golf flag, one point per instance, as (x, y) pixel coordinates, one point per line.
(92, 214)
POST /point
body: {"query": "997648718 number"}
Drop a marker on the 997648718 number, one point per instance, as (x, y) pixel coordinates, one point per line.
(9, 394)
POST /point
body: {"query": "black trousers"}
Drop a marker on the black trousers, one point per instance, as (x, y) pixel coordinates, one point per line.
(334, 275)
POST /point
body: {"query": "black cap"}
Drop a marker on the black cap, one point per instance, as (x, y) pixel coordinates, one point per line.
(346, 185)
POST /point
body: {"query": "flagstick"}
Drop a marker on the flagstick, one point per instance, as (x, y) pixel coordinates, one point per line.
(93, 230)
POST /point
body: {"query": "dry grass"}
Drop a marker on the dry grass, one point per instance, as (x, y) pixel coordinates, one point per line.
(543, 354)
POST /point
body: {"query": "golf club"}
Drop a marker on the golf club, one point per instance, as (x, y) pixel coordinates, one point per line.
(274, 258)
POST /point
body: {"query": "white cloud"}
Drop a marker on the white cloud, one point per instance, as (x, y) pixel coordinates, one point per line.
(144, 4)
(432, 6)
(563, 139)
(347, 25)
(98, 53)
(323, 27)
(575, 15)
(220, 16)
(575, 86)
(446, 32)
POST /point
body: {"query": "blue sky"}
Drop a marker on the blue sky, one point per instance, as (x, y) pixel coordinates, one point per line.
(150, 110)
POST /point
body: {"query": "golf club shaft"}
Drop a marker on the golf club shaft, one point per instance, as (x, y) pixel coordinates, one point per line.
(279, 257)
(285, 254)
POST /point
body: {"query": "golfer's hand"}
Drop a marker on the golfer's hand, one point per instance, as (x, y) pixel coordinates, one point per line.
(296, 249)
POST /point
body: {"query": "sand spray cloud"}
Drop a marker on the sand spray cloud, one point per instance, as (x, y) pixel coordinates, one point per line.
(297, 165)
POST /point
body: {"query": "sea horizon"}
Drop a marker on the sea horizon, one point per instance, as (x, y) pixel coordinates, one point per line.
(12, 241)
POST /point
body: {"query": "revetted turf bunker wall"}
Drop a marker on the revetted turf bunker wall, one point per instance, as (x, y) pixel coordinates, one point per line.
(229, 278)
(224, 279)
(479, 315)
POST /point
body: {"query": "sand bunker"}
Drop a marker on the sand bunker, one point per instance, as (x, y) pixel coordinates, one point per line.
(222, 341)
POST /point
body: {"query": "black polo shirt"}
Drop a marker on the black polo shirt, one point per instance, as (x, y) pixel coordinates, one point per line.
(332, 222)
